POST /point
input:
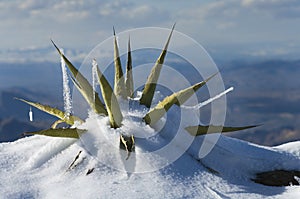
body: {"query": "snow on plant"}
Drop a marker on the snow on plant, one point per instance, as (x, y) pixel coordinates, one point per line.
(66, 89)
(123, 89)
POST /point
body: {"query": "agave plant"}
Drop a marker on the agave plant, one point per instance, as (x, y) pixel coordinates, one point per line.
(123, 88)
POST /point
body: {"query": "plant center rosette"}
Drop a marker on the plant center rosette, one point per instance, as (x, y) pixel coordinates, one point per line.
(145, 118)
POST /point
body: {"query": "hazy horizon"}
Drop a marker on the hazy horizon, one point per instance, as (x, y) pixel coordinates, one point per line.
(227, 29)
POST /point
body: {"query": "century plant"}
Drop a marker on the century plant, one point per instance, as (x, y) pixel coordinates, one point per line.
(123, 88)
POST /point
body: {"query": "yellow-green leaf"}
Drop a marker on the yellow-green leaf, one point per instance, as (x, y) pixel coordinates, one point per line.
(127, 143)
(177, 98)
(63, 133)
(119, 84)
(84, 87)
(150, 85)
(57, 122)
(53, 111)
(202, 130)
(111, 102)
(129, 76)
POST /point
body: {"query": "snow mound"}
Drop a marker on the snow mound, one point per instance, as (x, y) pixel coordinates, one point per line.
(37, 167)
(168, 164)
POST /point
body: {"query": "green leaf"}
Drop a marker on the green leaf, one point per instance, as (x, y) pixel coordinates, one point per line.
(129, 76)
(177, 98)
(111, 102)
(84, 87)
(150, 85)
(53, 111)
(119, 84)
(202, 130)
(63, 133)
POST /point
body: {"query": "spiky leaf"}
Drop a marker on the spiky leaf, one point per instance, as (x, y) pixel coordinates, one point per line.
(202, 130)
(84, 86)
(63, 133)
(129, 76)
(57, 122)
(150, 85)
(119, 84)
(111, 102)
(177, 98)
(53, 111)
(127, 143)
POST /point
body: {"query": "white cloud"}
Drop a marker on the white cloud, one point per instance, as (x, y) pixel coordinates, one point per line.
(242, 28)
(39, 54)
(269, 3)
(138, 11)
(72, 24)
(276, 8)
(84, 23)
(226, 25)
(32, 4)
(123, 12)
(268, 52)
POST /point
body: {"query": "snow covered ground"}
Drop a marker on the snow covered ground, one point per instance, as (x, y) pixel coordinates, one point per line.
(168, 164)
(37, 167)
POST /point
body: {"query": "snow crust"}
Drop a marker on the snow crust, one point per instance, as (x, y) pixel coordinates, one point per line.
(164, 165)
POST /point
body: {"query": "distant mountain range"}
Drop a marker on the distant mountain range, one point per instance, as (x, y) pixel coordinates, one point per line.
(265, 93)
(14, 119)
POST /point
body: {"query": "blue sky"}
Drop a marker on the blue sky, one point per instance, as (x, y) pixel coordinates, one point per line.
(254, 28)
